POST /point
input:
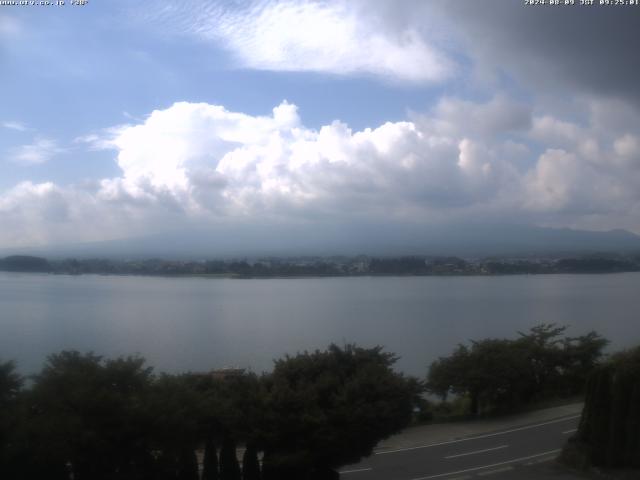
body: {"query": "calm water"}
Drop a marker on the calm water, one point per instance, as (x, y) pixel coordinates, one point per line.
(196, 324)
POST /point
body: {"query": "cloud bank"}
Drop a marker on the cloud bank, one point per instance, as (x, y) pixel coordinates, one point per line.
(544, 128)
(196, 164)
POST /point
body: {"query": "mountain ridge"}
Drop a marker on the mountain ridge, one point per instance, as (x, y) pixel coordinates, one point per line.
(472, 240)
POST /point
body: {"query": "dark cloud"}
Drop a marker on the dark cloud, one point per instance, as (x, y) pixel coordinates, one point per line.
(593, 49)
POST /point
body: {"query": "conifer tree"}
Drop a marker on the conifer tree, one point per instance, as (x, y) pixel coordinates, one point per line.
(188, 465)
(210, 462)
(609, 431)
(229, 467)
(250, 464)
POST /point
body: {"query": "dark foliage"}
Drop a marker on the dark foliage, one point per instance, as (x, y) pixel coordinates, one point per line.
(210, 461)
(330, 408)
(10, 384)
(188, 465)
(609, 431)
(99, 419)
(398, 266)
(229, 466)
(24, 263)
(90, 413)
(501, 374)
(250, 463)
(594, 265)
(329, 266)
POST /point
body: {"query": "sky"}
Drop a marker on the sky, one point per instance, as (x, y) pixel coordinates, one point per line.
(314, 119)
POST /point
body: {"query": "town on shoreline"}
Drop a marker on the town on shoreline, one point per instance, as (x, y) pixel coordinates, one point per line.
(334, 266)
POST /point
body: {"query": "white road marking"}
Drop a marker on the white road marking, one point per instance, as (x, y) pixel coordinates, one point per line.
(542, 460)
(570, 431)
(356, 471)
(497, 470)
(515, 460)
(477, 451)
(479, 436)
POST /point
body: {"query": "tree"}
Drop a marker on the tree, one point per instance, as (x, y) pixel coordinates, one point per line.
(230, 408)
(609, 430)
(10, 383)
(10, 389)
(582, 356)
(330, 408)
(497, 375)
(489, 373)
(447, 374)
(545, 359)
(250, 463)
(187, 464)
(501, 374)
(229, 467)
(210, 461)
(175, 410)
(91, 414)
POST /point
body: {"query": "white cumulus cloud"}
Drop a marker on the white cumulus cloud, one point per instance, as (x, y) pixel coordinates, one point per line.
(273, 164)
(197, 164)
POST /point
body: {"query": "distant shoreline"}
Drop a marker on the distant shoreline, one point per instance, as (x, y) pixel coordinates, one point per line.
(230, 276)
(324, 267)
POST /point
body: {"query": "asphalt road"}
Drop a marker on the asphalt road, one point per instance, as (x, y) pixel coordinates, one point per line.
(518, 452)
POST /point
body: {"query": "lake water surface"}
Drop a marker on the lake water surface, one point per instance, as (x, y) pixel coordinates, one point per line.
(197, 324)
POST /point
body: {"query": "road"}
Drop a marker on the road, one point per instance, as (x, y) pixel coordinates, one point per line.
(518, 452)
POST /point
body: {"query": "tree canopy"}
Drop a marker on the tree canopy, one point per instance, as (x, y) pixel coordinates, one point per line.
(98, 418)
(501, 374)
(330, 408)
(609, 430)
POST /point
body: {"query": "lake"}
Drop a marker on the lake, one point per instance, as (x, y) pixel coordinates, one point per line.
(197, 324)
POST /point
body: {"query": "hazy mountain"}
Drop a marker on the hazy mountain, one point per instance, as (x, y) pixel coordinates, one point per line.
(467, 240)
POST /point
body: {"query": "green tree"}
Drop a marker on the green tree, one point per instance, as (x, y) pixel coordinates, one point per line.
(582, 355)
(187, 464)
(545, 359)
(250, 463)
(230, 409)
(10, 383)
(609, 430)
(448, 374)
(489, 373)
(229, 467)
(175, 410)
(502, 374)
(10, 389)
(210, 461)
(330, 408)
(91, 414)
(496, 375)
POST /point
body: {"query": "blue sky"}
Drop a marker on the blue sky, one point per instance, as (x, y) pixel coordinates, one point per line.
(74, 70)
(156, 116)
